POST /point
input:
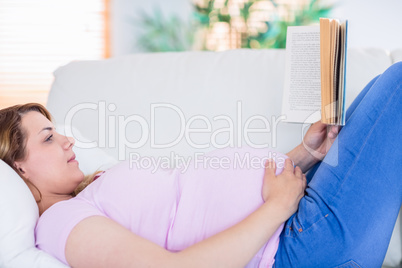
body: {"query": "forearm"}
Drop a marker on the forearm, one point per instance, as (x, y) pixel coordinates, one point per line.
(302, 158)
(100, 242)
(235, 246)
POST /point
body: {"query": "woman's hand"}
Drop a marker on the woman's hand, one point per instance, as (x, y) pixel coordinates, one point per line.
(316, 143)
(284, 190)
(319, 138)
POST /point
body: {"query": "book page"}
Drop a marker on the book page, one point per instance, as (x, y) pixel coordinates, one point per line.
(333, 37)
(302, 89)
(326, 70)
(335, 69)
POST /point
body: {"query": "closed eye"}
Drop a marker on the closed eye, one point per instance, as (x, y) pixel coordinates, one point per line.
(49, 138)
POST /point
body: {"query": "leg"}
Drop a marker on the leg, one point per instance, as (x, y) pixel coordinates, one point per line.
(350, 209)
(349, 112)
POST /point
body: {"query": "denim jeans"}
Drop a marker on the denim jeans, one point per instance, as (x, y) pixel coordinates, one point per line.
(354, 195)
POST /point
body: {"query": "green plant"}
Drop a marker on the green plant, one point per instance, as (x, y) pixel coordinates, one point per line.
(273, 35)
(170, 33)
(161, 34)
(309, 14)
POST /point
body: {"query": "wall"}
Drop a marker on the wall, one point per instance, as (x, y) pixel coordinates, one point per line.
(371, 23)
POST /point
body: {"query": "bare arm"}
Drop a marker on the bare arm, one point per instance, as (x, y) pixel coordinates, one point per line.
(100, 242)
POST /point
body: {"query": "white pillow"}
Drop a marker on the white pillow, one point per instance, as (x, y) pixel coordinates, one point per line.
(19, 214)
(19, 211)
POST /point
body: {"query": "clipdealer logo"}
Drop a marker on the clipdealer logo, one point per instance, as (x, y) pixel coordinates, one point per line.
(237, 129)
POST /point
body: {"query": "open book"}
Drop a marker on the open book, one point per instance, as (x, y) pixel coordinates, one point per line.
(315, 73)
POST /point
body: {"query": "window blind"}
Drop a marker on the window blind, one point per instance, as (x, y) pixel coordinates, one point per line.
(38, 36)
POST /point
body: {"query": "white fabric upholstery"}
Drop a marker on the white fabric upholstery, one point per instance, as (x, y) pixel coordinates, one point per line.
(396, 55)
(394, 253)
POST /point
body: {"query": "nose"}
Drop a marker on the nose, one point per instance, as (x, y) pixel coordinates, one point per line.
(70, 141)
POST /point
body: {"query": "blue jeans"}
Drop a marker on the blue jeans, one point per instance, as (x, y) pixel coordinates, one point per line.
(350, 208)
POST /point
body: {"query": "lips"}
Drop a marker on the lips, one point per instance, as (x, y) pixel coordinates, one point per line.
(72, 158)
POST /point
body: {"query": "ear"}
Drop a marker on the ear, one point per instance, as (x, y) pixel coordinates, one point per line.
(19, 167)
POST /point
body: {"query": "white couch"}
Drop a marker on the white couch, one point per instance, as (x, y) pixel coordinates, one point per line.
(170, 105)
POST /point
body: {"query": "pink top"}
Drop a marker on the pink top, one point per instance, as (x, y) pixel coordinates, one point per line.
(173, 208)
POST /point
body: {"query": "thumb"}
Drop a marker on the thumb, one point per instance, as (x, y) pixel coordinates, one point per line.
(333, 132)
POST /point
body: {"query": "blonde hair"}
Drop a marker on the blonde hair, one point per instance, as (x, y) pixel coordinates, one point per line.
(13, 140)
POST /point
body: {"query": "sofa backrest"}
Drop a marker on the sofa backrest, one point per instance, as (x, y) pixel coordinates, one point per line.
(396, 55)
(187, 102)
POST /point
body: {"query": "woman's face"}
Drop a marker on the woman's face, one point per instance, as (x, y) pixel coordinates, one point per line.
(50, 161)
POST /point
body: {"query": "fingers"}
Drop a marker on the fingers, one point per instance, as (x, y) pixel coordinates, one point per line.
(270, 166)
(285, 189)
(333, 131)
(288, 165)
(269, 176)
(298, 172)
(319, 126)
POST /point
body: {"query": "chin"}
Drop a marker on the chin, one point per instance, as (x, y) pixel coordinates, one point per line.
(77, 176)
(82, 175)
